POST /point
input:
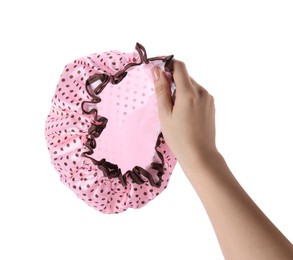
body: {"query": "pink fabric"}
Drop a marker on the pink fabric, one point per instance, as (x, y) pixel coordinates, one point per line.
(128, 139)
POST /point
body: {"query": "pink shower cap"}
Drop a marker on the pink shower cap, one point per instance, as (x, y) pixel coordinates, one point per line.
(103, 131)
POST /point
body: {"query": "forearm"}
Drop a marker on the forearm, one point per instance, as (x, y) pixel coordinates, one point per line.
(188, 126)
(243, 231)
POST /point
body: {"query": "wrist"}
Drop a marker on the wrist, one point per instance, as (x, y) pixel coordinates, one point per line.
(196, 161)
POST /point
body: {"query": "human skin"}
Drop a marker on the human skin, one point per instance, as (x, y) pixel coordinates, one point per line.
(188, 125)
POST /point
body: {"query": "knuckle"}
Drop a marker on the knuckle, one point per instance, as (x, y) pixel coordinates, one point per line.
(160, 88)
(180, 64)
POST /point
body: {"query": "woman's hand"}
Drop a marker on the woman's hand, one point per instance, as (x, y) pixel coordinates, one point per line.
(188, 124)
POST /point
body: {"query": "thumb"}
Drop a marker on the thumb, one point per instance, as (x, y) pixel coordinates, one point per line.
(163, 92)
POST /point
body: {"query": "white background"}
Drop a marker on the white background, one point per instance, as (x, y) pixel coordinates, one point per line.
(241, 51)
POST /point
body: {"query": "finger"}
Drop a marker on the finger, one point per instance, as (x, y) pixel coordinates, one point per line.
(198, 87)
(193, 81)
(181, 76)
(163, 92)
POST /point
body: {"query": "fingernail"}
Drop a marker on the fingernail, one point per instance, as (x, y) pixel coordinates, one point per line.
(156, 73)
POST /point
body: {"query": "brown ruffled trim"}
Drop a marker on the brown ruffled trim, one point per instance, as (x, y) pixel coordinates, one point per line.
(109, 169)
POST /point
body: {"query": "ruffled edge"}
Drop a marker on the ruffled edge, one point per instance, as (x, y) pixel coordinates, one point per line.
(110, 169)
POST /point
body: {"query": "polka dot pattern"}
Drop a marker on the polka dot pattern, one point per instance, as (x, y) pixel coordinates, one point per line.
(128, 139)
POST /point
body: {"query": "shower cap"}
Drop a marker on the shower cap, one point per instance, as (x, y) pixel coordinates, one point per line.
(103, 131)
